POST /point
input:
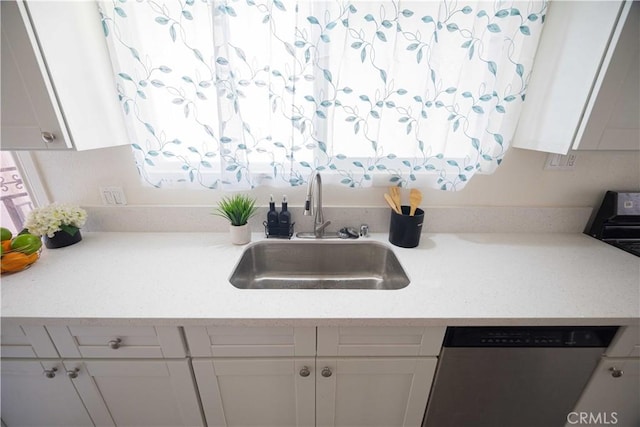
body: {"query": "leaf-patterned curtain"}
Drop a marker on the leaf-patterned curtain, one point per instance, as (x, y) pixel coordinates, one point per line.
(240, 93)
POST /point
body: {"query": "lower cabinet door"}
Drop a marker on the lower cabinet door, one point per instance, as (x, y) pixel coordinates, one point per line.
(369, 392)
(277, 392)
(611, 396)
(38, 393)
(137, 392)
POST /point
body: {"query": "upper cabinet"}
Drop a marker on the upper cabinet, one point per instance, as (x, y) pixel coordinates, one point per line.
(58, 90)
(613, 113)
(31, 116)
(583, 92)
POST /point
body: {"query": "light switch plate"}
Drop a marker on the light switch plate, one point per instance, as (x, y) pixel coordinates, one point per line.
(559, 162)
(113, 195)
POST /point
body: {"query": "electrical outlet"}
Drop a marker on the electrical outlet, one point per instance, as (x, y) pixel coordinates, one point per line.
(113, 196)
(559, 162)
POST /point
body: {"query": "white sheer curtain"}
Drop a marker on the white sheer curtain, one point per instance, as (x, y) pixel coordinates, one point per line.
(236, 94)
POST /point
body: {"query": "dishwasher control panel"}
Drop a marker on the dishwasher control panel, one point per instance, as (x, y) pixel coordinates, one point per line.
(530, 336)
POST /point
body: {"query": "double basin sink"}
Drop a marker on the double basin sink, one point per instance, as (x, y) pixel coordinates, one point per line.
(318, 265)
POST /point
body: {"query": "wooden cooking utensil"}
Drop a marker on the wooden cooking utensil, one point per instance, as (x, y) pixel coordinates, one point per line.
(415, 198)
(395, 196)
(391, 203)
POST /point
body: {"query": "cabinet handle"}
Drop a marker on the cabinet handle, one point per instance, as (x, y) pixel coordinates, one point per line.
(326, 372)
(305, 372)
(73, 373)
(50, 373)
(615, 372)
(115, 344)
(48, 137)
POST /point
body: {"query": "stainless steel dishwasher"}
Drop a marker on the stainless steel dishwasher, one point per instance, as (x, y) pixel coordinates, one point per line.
(513, 376)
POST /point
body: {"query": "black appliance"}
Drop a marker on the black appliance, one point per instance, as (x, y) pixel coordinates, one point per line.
(514, 376)
(617, 221)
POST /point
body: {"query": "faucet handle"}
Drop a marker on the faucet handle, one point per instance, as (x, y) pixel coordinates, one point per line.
(364, 230)
(320, 228)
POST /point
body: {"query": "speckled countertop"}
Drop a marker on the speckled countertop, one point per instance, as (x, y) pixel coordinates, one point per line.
(456, 279)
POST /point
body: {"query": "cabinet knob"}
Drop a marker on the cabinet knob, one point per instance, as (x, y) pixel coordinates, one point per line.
(115, 344)
(48, 137)
(73, 373)
(615, 372)
(326, 372)
(50, 373)
(305, 372)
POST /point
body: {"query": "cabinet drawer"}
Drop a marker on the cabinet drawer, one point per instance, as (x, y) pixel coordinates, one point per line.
(380, 341)
(223, 341)
(25, 341)
(117, 341)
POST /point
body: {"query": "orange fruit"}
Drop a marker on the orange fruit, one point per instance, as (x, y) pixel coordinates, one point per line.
(6, 245)
(16, 261)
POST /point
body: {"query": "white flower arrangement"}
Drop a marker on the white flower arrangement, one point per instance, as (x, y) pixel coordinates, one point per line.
(55, 217)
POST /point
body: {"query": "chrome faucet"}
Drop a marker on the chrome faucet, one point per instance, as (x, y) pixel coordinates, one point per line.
(319, 224)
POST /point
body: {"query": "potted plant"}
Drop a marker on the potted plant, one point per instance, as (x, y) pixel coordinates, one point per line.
(58, 223)
(237, 209)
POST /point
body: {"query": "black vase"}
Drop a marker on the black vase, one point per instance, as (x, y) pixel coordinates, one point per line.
(61, 239)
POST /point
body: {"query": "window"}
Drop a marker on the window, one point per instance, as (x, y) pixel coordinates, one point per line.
(236, 94)
(16, 200)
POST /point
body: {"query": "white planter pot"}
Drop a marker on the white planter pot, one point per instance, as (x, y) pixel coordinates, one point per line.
(240, 234)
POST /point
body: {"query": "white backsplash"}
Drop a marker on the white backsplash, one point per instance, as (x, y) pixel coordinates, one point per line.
(437, 219)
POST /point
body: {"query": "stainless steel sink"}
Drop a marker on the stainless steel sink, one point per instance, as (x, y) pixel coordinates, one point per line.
(318, 265)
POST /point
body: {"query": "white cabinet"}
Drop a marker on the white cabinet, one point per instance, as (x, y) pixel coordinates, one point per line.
(234, 376)
(303, 392)
(370, 392)
(376, 376)
(118, 341)
(257, 392)
(255, 376)
(386, 341)
(38, 393)
(25, 341)
(612, 115)
(44, 393)
(103, 376)
(132, 375)
(583, 91)
(223, 341)
(136, 392)
(36, 390)
(357, 376)
(611, 397)
(31, 116)
(612, 394)
(58, 91)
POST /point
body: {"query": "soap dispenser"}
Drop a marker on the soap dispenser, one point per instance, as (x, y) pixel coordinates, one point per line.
(272, 216)
(285, 216)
